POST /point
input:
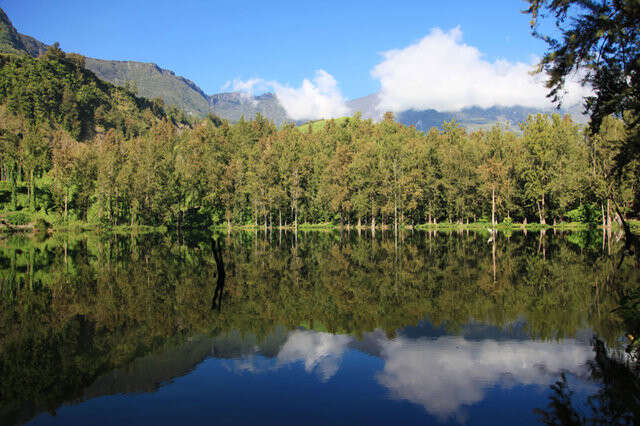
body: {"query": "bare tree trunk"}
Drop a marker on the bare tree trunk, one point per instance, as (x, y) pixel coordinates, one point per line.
(66, 196)
(493, 206)
(608, 213)
(373, 218)
(395, 212)
(494, 257)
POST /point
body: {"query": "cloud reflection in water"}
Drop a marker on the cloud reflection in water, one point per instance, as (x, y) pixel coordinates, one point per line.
(441, 374)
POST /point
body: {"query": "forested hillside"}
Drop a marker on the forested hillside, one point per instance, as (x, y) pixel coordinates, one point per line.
(56, 120)
(152, 81)
(77, 149)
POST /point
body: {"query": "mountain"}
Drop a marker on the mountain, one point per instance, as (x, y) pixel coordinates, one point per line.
(153, 82)
(13, 42)
(473, 118)
(232, 106)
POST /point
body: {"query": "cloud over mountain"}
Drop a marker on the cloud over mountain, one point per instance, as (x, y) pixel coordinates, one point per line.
(317, 98)
(441, 72)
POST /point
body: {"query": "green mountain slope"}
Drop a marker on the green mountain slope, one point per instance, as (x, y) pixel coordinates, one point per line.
(13, 42)
(40, 96)
(153, 82)
(150, 80)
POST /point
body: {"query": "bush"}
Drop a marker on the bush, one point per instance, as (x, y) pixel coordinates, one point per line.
(586, 213)
(41, 225)
(507, 221)
(17, 218)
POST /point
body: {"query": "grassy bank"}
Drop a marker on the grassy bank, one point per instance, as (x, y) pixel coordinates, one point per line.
(28, 222)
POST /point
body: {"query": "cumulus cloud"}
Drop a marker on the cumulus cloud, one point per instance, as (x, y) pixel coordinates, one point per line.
(441, 72)
(317, 98)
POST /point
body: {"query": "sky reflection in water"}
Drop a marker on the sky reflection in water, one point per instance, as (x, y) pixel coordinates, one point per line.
(147, 347)
(449, 377)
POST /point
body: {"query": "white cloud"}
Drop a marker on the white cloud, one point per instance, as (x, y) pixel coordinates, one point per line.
(317, 98)
(441, 72)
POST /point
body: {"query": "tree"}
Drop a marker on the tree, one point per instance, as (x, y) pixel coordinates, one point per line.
(542, 166)
(600, 40)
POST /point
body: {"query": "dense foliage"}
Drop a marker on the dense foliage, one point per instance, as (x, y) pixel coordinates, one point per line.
(601, 41)
(73, 148)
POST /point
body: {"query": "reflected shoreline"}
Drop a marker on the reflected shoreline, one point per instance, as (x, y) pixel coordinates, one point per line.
(108, 302)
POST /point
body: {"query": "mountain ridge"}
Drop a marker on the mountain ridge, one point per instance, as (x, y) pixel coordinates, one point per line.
(153, 81)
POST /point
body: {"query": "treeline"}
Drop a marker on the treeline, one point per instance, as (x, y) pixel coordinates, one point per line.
(77, 149)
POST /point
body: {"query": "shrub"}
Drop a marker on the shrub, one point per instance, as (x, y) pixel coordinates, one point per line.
(17, 218)
(586, 213)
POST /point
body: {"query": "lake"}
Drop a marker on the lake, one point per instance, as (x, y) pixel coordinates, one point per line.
(314, 328)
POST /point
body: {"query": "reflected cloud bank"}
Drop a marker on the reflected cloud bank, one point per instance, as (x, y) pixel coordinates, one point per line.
(321, 350)
(447, 373)
(442, 374)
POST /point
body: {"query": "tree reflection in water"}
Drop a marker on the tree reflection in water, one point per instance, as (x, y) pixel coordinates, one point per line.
(617, 401)
(73, 308)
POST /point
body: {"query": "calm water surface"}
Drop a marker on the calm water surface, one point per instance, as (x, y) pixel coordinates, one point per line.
(442, 328)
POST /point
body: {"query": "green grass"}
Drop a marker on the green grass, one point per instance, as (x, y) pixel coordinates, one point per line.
(320, 124)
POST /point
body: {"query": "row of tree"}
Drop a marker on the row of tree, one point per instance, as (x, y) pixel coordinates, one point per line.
(73, 147)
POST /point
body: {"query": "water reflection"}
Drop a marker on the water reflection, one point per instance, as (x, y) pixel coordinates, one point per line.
(84, 317)
(442, 374)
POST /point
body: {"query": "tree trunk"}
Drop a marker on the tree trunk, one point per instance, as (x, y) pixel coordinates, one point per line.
(296, 218)
(280, 218)
(66, 196)
(543, 221)
(395, 213)
(14, 198)
(608, 213)
(493, 206)
(33, 192)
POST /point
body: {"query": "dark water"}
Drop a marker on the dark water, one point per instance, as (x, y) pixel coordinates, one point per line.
(319, 329)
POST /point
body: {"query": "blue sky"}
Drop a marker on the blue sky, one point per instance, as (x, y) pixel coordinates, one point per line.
(213, 42)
